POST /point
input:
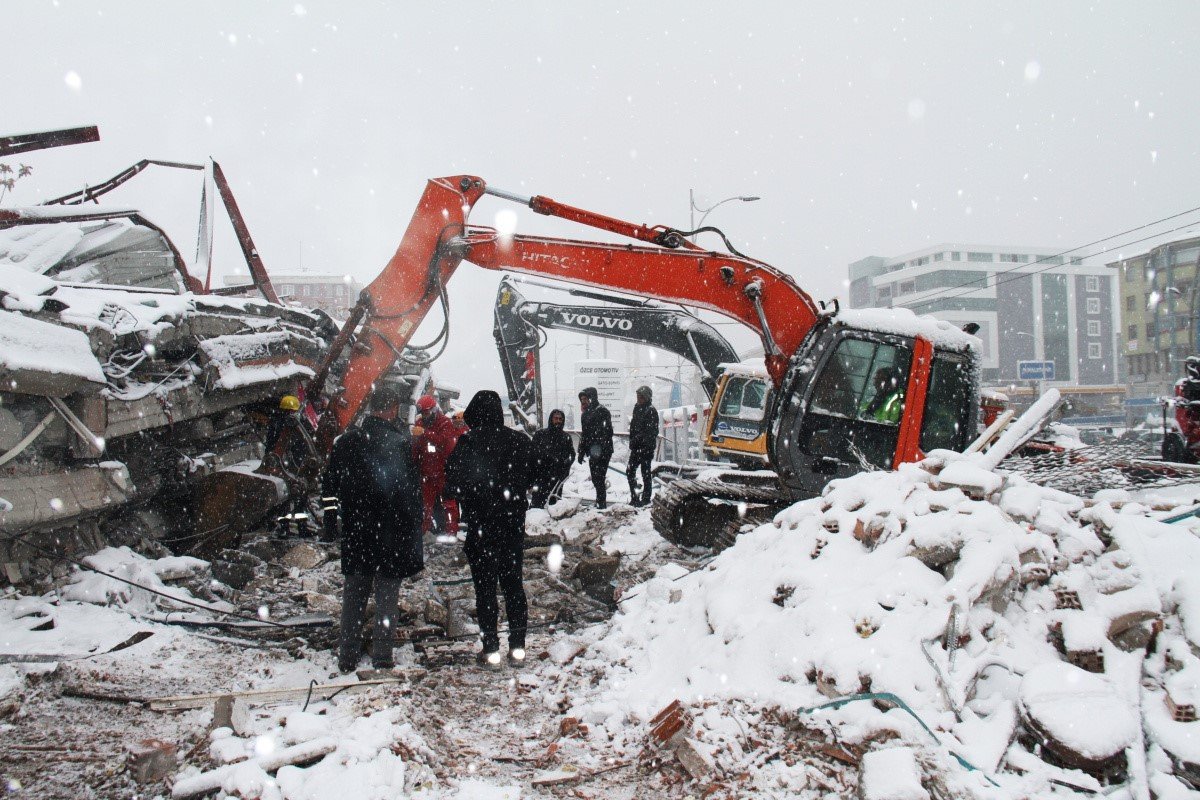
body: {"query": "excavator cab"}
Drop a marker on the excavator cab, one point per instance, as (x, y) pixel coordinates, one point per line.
(861, 400)
(737, 425)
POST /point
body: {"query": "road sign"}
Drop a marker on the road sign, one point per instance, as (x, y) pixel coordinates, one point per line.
(1035, 370)
(1099, 421)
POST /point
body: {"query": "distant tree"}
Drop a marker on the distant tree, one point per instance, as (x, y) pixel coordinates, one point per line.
(9, 177)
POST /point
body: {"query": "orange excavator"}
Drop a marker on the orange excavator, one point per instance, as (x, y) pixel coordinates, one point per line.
(832, 369)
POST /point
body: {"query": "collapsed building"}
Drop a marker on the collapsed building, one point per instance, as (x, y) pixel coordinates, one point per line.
(134, 402)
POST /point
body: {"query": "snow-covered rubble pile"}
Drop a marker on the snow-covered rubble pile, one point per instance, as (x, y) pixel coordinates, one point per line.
(1002, 613)
(66, 620)
(131, 572)
(328, 751)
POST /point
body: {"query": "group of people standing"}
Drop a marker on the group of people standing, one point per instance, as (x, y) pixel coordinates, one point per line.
(383, 489)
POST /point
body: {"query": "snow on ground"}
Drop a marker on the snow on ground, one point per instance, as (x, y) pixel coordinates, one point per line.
(994, 610)
(941, 589)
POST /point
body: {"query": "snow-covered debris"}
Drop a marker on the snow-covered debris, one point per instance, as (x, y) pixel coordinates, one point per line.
(941, 583)
(1078, 709)
(122, 563)
(28, 344)
(241, 360)
(356, 756)
(891, 774)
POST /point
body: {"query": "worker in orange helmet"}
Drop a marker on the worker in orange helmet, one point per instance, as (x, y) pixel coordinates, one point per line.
(431, 449)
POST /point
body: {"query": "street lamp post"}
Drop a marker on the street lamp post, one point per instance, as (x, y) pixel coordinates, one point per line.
(704, 212)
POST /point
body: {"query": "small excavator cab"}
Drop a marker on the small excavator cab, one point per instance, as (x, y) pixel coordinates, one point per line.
(737, 424)
(862, 400)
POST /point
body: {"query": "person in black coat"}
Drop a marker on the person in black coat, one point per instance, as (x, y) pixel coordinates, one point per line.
(371, 477)
(488, 473)
(595, 441)
(643, 441)
(550, 459)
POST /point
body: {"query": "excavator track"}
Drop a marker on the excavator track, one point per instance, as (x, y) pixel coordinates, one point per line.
(711, 513)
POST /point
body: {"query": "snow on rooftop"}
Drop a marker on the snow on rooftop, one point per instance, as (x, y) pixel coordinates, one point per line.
(750, 368)
(904, 322)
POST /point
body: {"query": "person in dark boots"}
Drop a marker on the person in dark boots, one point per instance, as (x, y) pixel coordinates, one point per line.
(643, 441)
(550, 458)
(371, 477)
(595, 441)
(488, 473)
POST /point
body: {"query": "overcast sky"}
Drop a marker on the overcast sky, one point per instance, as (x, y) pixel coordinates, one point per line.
(865, 128)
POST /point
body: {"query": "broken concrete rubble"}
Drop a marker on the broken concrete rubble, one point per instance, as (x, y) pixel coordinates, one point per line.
(151, 760)
(304, 556)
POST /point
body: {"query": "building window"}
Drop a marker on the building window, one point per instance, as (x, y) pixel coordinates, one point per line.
(956, 256)
(1093, 327)
(1132, 333)
(885, 292)
(1129, 301)
(908, 287)
(1147, 272)
(1151, 329)
(1076, 261)
(1093, 350)
(1014, 258)
(1092, 283)
(1093, 305)
(986, 257)
(938, 256)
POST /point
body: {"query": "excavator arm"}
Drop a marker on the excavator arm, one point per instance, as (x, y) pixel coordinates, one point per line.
(519, 326)
(668, 268)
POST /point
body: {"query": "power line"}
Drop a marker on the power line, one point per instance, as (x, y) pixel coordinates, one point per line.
(942, 293)
(1051, 266)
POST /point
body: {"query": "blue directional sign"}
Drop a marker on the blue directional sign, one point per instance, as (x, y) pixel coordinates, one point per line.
(1035, 370)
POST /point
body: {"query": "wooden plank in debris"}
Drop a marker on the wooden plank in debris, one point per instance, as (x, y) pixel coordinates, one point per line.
(994, 430)
(302, 621)
(320, 691)
(35, 658)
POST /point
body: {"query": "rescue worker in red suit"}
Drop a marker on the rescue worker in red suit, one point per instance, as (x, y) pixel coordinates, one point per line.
(1181, 446)
(431, 450)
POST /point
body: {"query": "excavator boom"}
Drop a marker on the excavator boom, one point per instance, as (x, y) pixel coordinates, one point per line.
(669, 269)
(832, 373)
(520, 325)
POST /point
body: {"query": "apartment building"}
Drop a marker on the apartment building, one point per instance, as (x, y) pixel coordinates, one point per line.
(1031, 303)
(1159, 314)
(335, 294)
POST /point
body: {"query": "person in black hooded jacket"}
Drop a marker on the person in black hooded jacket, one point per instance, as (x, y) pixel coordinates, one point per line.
(595, 441)
(643, 440)
(550, 458)
(488, 473)
(371, 476)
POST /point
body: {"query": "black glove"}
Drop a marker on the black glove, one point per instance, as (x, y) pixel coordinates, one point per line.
(331, 526)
